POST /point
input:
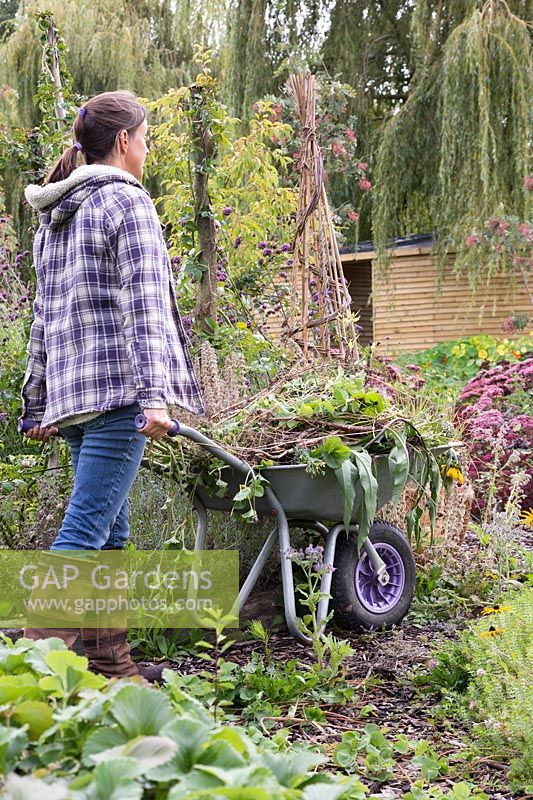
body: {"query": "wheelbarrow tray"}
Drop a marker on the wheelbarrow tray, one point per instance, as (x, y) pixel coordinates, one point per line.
(302, 495)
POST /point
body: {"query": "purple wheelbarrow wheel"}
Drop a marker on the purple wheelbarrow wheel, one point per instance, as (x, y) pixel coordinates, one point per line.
(373, 596)
(359, 601)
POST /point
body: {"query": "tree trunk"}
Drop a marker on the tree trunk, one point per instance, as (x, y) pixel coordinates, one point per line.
(53, 67)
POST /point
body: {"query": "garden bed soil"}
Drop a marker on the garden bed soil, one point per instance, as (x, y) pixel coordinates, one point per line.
(381, 670)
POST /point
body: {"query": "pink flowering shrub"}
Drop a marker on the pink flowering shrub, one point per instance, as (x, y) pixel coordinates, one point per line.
(508, 240)
(493, 408)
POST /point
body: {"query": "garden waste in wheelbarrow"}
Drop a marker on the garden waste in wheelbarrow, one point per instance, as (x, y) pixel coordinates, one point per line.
(370, 589)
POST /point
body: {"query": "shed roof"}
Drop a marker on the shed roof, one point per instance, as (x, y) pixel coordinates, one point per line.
(363, 250)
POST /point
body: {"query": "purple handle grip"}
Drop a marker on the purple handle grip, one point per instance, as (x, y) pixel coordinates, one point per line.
(26, 424)
(140, 422)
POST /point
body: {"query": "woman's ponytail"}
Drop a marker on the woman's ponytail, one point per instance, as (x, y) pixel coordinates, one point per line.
(64, 165)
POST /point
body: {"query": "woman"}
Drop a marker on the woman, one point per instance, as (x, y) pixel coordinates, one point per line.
(107, 339)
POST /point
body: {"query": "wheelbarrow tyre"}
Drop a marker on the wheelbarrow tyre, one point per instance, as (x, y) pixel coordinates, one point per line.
(359, 603)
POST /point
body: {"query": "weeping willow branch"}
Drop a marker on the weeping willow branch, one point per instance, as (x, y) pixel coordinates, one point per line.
(458, 150)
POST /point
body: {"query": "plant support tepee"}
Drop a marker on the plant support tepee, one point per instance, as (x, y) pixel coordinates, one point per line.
(320, 320)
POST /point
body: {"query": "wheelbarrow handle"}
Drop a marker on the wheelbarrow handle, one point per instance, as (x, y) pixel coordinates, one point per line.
(140, 422)
(26, 424)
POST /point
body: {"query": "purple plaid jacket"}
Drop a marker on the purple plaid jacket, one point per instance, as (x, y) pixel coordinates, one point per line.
(106, 330)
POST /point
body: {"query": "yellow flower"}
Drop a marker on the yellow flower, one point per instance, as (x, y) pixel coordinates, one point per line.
(527, 517)
(500, 350)
(482, 354)
(492, 631)
(495, 610)
(455, 474)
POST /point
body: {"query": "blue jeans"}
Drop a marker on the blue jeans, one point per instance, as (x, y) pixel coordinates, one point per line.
(106, 454)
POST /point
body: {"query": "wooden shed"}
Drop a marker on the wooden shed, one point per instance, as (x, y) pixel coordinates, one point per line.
(404, 311)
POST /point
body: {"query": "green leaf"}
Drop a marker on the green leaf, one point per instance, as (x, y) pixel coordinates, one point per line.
(148, 751)
(12, 743)
(16, 687)
(69, 674)
(369, 494)
(36, 714)
(398, 465)
(244, 493)
(290, 768)
(190, 736)
(325, 791)
(332, 451)
(99, 740)
(141, 711)
(347, 475)
(221, 754)
(115, 780)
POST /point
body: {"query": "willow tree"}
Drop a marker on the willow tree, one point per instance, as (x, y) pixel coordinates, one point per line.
(458, 150)
(142, 45)
(249, 69)
(266, 41)
(368, 45)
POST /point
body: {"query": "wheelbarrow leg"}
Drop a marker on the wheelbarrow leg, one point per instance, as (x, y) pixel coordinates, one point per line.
(286, 569)
(329, 559)
(255, 572)
(325, 583)
(199, 542)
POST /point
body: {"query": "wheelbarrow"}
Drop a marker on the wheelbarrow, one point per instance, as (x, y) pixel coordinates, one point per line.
(369, 590)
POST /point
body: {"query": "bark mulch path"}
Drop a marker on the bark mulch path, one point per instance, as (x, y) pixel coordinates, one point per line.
(381, 671)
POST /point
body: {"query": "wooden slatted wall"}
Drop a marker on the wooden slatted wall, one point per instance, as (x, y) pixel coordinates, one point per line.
(414, 317)
(405, 313)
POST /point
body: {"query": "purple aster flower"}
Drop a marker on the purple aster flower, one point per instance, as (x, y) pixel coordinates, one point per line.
(226, 211)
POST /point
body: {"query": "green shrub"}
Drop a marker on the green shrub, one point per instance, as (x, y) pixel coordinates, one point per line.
(486, 676)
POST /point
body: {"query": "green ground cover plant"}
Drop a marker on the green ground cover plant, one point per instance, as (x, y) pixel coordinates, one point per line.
(485, 678)
(447, 366)
(68, 734)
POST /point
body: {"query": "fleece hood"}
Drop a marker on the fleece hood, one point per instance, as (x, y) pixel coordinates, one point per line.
(58, 202)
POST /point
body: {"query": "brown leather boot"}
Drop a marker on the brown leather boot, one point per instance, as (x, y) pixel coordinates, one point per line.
(108, 652)
(69, 635)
